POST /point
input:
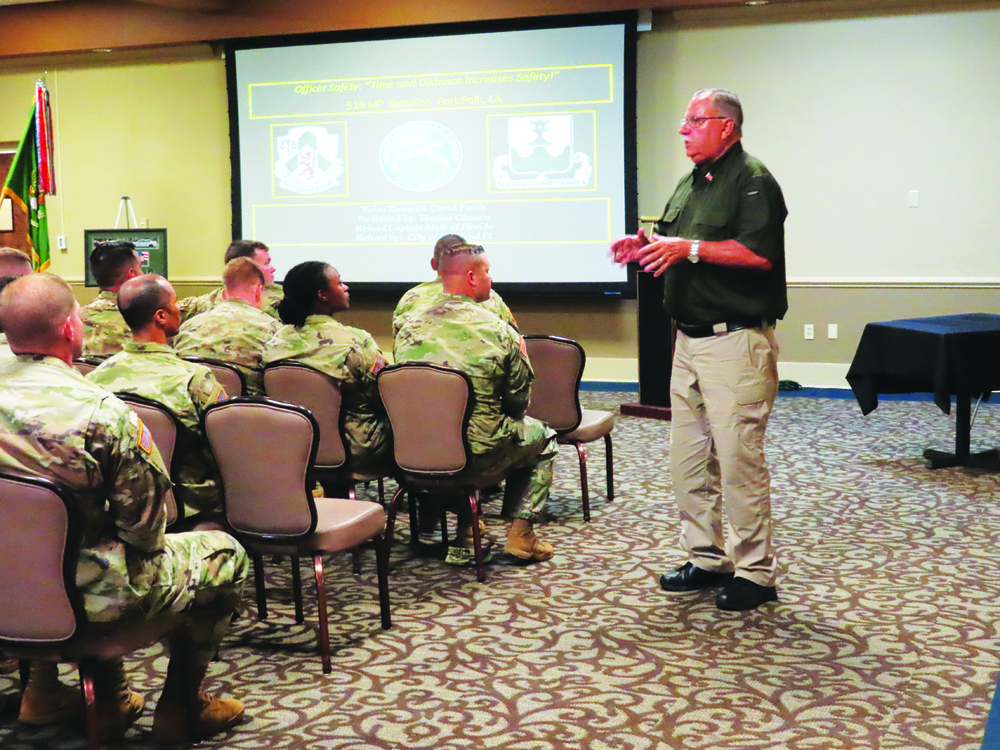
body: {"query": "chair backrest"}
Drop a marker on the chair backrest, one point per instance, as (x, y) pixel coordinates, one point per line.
(163, 426)
(84, 366)
(265, 451)
(233, 379)
(297, 383)
(555, 392)
(39, 546)
(428, 407)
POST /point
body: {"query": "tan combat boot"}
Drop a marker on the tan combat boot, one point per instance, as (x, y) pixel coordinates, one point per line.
(118, 706)
(524, 545)
(215, 715)
(46, 700)
(462, 552)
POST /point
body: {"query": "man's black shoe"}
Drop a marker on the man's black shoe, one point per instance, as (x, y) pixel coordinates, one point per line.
(743, 594)
(689, 577)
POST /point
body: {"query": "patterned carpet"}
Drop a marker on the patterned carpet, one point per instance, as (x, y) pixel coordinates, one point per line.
(884, 636)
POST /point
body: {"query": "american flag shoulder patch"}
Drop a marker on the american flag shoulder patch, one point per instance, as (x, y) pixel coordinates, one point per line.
(145, 440)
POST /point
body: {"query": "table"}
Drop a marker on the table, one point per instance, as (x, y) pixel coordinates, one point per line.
(949, 355)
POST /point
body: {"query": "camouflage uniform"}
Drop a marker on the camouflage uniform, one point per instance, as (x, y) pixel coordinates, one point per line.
(187, 389)
(191, 306)
(104, 329)
(55, 424)
(430, 294)
(352, 358)
(233, 331)
(460, 333)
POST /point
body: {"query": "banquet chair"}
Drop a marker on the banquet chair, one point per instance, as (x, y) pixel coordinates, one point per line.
(298, 383)
(429, 407)
(232, 378)
(266, 451)
(555, 399)
(84, 365)
(163, 426)
(43, 614)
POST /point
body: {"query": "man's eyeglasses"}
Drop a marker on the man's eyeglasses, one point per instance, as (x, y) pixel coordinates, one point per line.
(697, 122)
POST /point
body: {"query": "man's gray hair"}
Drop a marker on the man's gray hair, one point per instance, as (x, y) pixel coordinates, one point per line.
(727, 103)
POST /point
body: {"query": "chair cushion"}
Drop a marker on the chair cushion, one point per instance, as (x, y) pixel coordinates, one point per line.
(594, 424)
(340, 524)
(104, 641)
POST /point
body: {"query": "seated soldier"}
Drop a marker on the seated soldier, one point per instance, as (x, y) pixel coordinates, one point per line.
(430, 293)
(104, 329)
(257, 252)
(460, 332)
(235, 330)
(55, 424)
(313, 294)
(13, 263)
(149, 367)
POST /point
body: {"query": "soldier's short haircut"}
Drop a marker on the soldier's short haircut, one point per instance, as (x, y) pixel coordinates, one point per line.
(442, 245)
(33, 309)
(14, 262)
(140, 298)
(240, 273)
(456, 257)
(243, 249)
(4, 281)
(110, 261)
(301, 286)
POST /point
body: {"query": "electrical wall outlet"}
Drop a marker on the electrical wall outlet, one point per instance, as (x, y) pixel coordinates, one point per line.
(808, 332)
(831, 331)
(61, 241)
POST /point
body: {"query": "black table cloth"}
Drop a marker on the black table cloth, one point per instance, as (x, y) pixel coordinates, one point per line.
(949, 355)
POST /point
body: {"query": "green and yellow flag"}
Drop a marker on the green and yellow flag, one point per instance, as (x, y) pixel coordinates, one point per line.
(30, 179)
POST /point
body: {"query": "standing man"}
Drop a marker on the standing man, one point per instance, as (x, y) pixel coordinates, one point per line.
(721, 247)
(104, 329)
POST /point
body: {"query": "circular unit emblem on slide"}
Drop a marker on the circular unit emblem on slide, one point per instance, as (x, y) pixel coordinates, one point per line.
(420, 155)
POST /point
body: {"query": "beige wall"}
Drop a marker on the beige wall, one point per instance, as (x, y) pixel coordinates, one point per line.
(835, 107)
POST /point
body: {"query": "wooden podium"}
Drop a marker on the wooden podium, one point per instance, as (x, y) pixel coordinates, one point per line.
(656, 350)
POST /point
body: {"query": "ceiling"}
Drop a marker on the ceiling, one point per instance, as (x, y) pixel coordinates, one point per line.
(47, 27)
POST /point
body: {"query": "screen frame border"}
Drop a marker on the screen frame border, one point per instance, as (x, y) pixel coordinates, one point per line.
(627, 19)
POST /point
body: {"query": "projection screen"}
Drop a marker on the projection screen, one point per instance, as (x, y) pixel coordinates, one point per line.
(362, 152)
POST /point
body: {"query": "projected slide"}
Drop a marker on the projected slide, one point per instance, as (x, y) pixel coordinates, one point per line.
(364, 153)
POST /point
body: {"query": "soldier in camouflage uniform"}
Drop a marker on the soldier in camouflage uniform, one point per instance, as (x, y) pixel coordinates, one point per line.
(430, 293)
(235, 330)
(257, 252)
(314, 292)
(149, 367)
(460, 333)
(104, 329)
(13, 264)
(55, 424)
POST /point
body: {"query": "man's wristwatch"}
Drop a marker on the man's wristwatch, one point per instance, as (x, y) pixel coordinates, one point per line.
(693, 253)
